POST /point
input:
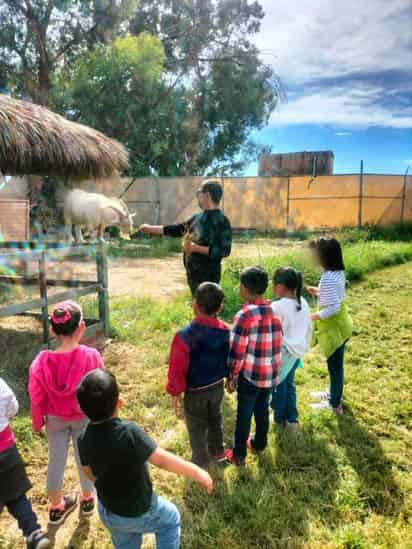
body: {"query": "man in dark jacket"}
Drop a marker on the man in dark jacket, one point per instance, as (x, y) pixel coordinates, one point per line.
(207, 237)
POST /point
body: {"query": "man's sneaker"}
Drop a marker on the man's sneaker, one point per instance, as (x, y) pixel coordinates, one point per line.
(87, 506)
(38, 540)
(232, 459)
(320, 395)
(292, 426)
(338, 410)
(58, 515)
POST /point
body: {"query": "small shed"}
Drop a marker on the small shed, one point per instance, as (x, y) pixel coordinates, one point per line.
(297, 163)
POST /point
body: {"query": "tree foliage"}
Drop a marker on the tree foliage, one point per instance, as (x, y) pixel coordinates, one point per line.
(180, 82)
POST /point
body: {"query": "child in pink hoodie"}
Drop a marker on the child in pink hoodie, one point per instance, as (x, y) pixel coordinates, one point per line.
(53, 379)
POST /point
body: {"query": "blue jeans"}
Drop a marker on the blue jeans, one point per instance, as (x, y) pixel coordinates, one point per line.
(22, 511)
(162, 519)
(335, 367)
(284, 399)
(251, 401)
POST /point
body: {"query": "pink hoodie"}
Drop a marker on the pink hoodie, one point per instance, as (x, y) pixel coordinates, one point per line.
(53, 380)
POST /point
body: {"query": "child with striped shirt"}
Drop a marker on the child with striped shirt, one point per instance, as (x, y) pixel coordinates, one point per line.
(333, 323)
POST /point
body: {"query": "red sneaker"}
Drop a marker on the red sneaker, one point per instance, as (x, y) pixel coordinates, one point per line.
(219, 457)
(232, 459)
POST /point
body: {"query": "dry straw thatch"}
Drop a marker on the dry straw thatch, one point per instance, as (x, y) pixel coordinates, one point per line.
(34, 140)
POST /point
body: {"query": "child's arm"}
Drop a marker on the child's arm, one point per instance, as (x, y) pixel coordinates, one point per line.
(37, 398)
(174, 464)
(177, 374)
(238, 346)
(9, 398)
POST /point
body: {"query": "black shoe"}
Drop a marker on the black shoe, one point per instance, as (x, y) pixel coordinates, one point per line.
(58, 516)
(87, 507)
(38, 540)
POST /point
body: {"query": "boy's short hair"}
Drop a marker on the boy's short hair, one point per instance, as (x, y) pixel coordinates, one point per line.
(255, 279)
(98, 394)
(214, 188)
(209, 298)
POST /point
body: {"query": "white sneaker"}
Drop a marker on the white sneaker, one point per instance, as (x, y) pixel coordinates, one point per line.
(324, 405)
(321, 395)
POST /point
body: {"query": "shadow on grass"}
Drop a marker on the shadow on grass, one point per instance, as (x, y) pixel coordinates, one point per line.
(272, 501)
(378, 487)
(18, 347)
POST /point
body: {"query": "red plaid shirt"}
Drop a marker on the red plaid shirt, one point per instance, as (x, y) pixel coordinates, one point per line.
(256, 338)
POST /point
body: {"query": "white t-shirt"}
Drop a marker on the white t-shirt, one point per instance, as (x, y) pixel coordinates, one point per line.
(8, 404)
(296, 325)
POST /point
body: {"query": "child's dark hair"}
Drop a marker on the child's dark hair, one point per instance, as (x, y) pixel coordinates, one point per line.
(293, 280)
(329, 252)
(209, 297)
(214, 188)
(66, 318)
(98, 394)
(255, 279)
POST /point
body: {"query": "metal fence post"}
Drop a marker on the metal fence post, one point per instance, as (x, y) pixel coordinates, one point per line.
(360, 195)
(288, 205)
(43, 296)
(103, 292)
(404, 196)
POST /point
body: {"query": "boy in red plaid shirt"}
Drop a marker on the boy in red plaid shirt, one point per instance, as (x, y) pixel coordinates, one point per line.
(254, 361)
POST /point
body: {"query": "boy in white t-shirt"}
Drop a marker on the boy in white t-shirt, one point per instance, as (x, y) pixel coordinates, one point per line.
(294, 314)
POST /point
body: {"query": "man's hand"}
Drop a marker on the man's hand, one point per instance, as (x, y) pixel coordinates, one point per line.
(230, 385)
(177, 402)
(144, 228)
(312, 290)
(187, 246)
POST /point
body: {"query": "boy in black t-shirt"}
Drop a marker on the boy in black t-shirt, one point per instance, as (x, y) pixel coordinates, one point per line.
(114, 455)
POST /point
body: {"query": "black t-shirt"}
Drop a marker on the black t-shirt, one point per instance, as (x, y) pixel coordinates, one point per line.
(117, 452)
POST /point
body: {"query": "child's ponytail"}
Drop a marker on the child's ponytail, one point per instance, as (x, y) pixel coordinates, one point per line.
(299, 287)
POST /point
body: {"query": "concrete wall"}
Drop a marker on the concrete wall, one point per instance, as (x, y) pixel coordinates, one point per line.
(262, 203)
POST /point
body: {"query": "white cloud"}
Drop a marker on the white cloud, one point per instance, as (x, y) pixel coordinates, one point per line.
(341, 106)
(348, 61)
(343, 134)
(309, 39)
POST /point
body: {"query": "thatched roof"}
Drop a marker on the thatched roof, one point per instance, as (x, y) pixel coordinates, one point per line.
(34, 140)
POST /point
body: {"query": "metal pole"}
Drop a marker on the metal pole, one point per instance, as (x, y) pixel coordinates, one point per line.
(43, 295)
(360, 195)
(103, 292)
(288, 205)
(404, 196)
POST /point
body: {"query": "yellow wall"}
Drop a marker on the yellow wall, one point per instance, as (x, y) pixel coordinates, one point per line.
(261, 202)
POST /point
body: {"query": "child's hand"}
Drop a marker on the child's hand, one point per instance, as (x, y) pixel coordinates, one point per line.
(277, 380)
(230, 386)
(205, 480)
(312, 290)
(177, 402)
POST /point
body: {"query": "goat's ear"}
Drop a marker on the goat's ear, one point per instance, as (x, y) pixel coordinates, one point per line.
(133, 215)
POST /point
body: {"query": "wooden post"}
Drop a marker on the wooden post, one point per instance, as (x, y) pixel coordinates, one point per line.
(103, 292)
(360, 195)
(43, 296)
(404, 196)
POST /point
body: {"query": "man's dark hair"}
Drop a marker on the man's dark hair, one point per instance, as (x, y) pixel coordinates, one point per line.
(329, 252)
(215, 189)
(209, 297)
(255, 279)
(98, 394)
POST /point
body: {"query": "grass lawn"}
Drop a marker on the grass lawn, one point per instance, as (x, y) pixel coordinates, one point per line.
(342, 482)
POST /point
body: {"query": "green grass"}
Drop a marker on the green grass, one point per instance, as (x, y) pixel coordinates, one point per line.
(341, 483)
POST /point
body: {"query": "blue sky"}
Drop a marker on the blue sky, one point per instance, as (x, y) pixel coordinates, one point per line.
(346, 67)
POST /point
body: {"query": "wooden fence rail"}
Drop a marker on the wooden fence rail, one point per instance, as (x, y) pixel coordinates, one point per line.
(80, 288)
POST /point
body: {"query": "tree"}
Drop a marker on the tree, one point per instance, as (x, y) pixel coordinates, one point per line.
(199, 114)
(36, 36)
